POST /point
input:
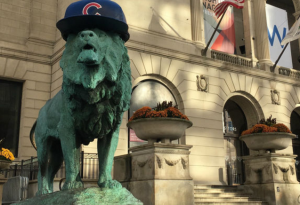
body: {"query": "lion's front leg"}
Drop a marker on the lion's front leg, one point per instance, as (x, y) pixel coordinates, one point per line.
(71, 152)
(106, 150)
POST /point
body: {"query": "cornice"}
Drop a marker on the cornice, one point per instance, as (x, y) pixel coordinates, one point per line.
(25, 56)
(163, 52)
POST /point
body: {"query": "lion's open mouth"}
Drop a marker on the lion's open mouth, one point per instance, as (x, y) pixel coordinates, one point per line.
(88, 55)
(89, 47)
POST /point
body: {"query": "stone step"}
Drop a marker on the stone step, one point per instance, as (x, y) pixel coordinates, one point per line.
(232, 203)
(225, 199)
(199, 190)
(229, 194)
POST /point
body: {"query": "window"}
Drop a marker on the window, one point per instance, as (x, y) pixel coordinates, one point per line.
(10, 106)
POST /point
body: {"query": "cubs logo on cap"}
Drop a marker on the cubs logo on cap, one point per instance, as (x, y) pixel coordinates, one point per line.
(87, 14)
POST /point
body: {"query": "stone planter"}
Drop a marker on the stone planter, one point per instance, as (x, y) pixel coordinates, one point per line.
(163, 129)
(268, 141)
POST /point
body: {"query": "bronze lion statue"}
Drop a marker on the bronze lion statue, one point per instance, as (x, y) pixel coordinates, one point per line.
(96, 90)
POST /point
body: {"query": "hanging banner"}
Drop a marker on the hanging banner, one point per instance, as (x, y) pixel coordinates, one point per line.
(224, 39)
(277, 22)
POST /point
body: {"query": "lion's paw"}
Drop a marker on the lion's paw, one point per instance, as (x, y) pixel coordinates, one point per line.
(72, 185)
(43, 191)
(111, 184)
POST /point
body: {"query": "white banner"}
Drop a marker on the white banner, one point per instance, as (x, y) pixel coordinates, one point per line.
(277, 29)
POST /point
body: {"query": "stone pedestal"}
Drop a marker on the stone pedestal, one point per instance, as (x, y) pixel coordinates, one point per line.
(2, 182)
(272, 178)
(157, 174)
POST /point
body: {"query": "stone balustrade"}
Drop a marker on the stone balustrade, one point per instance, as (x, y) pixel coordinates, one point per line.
(289, 72)
(238, 60)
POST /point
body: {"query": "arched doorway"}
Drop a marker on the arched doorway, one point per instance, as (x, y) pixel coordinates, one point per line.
(295, 128)
(241, 111)
(147, 93)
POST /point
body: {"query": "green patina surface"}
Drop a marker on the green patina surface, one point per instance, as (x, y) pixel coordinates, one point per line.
(87, 196)
(96, 91)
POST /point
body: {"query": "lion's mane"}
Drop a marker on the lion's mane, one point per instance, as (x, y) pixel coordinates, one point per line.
(97, 95)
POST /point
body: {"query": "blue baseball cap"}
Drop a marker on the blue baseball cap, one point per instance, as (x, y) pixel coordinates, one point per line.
(87, 14)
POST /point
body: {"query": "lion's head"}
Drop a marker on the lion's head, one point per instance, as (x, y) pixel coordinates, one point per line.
(96, 79)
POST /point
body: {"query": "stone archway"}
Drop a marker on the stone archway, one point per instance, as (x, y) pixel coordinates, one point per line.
(148, 90)
(241, 111)
(165, 82)
(249, 105)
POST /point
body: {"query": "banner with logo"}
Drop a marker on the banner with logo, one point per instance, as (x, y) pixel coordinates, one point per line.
(277, 22)
(224, 39)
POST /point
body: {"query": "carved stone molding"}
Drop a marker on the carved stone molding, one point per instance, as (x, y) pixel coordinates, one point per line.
(202, 83)
(275, 169)
(292, 169)
(172, 162)
(184, 162)
(275, 97)
(141, 164)
(159, 162)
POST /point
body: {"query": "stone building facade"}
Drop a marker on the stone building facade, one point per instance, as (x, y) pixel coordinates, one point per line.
(165, 46)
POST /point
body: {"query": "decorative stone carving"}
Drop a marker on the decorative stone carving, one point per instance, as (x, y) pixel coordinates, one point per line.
(275, 96)
(142, 164)
(202, 83)
(292, 169)
(184, 162)
(283, 169)
(172, 162)
(275, 168)
(159, 162)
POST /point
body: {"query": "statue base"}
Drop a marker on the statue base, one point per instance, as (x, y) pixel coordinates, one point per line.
(85, 196)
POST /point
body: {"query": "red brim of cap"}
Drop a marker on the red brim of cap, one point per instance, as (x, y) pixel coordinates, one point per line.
(75, 24)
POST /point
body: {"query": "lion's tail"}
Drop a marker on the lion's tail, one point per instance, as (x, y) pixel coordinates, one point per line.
(32, 138)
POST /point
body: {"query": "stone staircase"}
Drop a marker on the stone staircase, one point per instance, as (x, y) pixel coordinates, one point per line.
(223, 195)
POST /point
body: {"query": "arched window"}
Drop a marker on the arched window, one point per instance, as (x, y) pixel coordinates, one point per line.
(147, 93)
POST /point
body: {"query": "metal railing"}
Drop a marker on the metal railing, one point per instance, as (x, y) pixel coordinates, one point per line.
(234, 59)
(89, 168)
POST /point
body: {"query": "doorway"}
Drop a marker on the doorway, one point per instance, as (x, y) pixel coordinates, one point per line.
(234, 122)
(295, 129)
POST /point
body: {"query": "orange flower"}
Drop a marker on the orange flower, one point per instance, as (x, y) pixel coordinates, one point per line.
(154, 113)
(146, 112)
(140, 113)
(7, 154)
(258, 128)
(174, 112)
(282, 128)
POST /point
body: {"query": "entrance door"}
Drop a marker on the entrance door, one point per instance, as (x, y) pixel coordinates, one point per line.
(234, 122)
(295, 128)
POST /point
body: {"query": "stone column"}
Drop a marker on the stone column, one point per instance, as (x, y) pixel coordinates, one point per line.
(272, 178)
(197, 22)
(296, 14)
(261, 32)
(249, 31)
